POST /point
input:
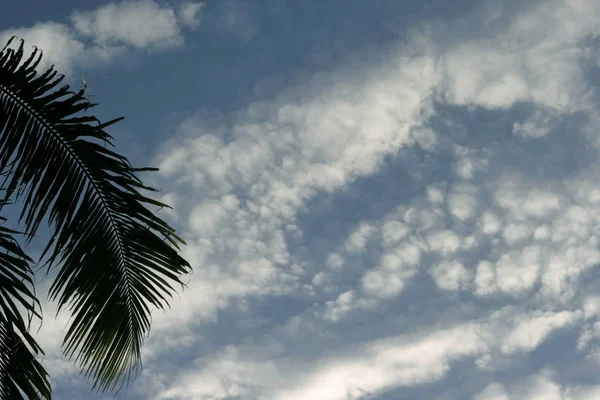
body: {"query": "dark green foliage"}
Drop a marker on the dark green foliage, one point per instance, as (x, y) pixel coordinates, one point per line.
(114, 256)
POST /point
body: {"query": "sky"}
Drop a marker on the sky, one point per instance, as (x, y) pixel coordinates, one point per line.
(382, 200)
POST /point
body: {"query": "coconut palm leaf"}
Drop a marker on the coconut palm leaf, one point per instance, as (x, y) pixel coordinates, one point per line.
(22, 376)
(20, 371)
(116, 258)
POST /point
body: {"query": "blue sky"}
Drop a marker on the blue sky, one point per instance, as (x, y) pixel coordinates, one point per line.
(381, 200)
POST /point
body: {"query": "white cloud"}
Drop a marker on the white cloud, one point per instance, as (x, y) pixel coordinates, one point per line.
(483, 224)
(141, 24)
(490, 223)
(277, 166)
(358, 239)
(188, 13)
(56, 40)
(445, 242)
(373, 367)
(462, 202)
(207, 216)
(518, 271)
(397, 265)
(538, 387)
(535, 126)
(113, 30)
(493, 391)
(541, 388)
(387, 363)
(591, 306)
(511, 194)
(485, 279)
(535, 58)
(530, 331)
(393, 232)
(515, 233)
(341, 138)
(344, 304)
(382, 283)
(451, 276)
(335, 261)
(225, 375)
(583, 393)
(336, 309)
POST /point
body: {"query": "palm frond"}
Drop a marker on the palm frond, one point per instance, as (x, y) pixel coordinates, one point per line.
(20, 371)
(22, 376)
(116, 256)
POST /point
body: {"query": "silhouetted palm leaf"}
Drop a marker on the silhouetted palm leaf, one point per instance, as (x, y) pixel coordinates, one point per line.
(116, 257)
(20, 372)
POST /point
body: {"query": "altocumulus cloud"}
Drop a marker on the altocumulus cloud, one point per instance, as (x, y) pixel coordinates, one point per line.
(423, 222)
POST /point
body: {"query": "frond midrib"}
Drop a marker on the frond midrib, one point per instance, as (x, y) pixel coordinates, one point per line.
(97, 191)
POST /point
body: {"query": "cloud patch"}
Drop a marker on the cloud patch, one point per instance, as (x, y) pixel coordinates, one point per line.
(431, 216)
(141, 24)
(477, 227)
(96, 37)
